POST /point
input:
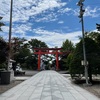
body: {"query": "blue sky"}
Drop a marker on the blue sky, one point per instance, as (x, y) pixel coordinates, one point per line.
(51, 21)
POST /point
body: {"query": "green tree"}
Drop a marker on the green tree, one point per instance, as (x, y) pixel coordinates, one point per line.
(67, 46)
(94, 36)
(1, 24)
(34, 43)
(17, 44)
(22, 56)
(31, 62)
(3, 51)
(20, 50)
(92, 54)
(69, 60)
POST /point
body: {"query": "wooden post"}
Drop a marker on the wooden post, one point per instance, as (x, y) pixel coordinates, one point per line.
(57, 64)
(39, 59)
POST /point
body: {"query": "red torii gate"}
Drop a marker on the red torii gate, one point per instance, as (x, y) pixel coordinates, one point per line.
(41, 51)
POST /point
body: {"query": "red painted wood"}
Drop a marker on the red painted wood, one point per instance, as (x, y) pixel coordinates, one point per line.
(47, 48)
(48, 53)
(57, 64)
(39, 59)
(41, 51)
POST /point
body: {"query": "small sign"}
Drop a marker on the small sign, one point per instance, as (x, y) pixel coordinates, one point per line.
(83, 62)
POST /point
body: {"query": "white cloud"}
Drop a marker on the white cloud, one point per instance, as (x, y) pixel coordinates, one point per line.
(60, 22)
(95, 31)
(5, 29)
(21, 30)
(93, 12)
(55, 38)
(23, 9)
(65, 10)
(41, 11)
(49, 4)
(51, 38)
(47, 17)
(76, 12)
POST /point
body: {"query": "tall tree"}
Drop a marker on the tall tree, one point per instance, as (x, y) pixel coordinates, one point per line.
(37, 44)
(92, 54)
(22, 56)
(67, 46)
(16, 45)
(34, 43)
(3, 51)
(94, 36)
(20, 50)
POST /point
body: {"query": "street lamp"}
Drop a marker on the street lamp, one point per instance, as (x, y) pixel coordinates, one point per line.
(10, 32)
(80, 3)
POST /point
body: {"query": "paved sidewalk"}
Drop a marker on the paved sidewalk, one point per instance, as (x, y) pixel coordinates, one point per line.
(47, 85)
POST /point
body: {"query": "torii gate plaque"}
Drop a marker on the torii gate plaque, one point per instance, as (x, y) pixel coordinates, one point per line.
(41, 51)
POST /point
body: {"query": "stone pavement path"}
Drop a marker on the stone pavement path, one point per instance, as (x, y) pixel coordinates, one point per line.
(47, 85)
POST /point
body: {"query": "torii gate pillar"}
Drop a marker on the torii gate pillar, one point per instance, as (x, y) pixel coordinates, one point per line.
(39, 59)
(57, 64)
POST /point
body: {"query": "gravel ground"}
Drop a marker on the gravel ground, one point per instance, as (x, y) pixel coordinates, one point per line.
(94, 88)
(4, 88)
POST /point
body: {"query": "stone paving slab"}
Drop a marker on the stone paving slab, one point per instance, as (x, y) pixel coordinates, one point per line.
(47, 85)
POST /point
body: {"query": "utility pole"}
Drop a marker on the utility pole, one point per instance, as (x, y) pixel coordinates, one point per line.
(10, 32)
(80, 4)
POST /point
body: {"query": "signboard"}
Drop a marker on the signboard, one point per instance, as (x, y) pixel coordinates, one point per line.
(83, 62)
